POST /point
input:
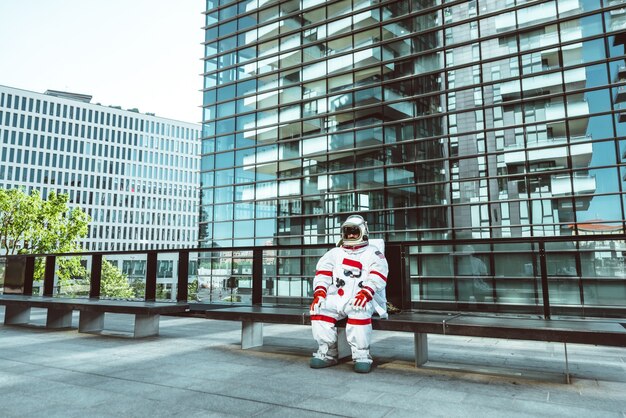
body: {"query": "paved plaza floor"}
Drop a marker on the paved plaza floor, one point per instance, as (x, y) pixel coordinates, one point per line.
(195, 368)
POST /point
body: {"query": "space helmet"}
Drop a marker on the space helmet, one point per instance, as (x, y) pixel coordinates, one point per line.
(354, 225)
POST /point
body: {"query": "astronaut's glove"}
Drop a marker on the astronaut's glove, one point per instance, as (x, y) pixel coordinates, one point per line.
(319, 300)
(360, 299)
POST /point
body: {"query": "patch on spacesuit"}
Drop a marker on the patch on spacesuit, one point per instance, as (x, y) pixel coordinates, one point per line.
(351, 268)
(380, 255)
(352, 263)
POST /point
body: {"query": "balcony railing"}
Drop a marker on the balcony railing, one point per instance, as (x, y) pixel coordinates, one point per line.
(581, 274)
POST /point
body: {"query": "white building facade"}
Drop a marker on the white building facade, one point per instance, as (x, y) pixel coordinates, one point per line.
(135, 174)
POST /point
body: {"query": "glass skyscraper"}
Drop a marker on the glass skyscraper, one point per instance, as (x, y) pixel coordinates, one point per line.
(474, 129)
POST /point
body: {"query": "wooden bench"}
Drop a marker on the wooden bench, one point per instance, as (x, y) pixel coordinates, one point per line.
(91, 319)
(596, 332)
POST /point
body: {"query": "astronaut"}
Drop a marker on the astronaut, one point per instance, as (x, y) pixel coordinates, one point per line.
(349, 281)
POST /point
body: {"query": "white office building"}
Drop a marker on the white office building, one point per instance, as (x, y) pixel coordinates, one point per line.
(135, 174)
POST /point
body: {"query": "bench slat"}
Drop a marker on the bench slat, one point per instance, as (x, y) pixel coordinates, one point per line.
(113, 306)
(607, 333)
(610, 333)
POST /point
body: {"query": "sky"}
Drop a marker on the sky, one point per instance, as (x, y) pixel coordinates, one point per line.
(144, 54)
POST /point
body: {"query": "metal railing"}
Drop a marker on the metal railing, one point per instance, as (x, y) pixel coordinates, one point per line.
(282, 275)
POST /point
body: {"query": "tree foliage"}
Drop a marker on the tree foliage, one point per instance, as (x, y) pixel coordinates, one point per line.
(32, 225)
(114, 283)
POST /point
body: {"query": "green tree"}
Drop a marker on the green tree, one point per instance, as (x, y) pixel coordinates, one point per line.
(32, 225)
(114, 283)
(192, 290)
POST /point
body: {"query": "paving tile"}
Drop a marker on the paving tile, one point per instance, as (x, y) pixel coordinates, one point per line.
(196, 368)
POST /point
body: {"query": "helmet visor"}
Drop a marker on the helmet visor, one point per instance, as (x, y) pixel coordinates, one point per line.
(351, 232)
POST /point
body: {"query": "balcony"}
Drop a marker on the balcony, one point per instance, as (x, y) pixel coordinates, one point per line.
(617, 3)
(620, 97)
(287, 128)
(619, 39)
(577, 129)
(533, 15)
(253, 5)
(364, 19)
(284, 60)
(372, 96)
(580, 153)
(557, 111)
(269, 98)
(267, 161)
(331, 65)
(317, 148)
(561, 185)
(617, 22)
(272, 30)
(542, 84)
(346, 62)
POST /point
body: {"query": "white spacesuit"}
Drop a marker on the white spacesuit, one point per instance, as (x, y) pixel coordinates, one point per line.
(349, 281)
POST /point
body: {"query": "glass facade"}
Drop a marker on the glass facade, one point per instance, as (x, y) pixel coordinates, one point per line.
(475, 120)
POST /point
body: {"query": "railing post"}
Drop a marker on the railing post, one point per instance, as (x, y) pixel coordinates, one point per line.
(151, 273)
(29, 275)
(48, 277)
(397, 283)
(257, 276)
(183, 276)
(14, 274)
(96, 276)
(544, 280)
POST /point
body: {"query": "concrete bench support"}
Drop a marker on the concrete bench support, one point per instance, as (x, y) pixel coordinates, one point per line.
(421, 348)
(90, 321)
(251, 334)
(147, 314)
(16, 315)
(568, 379)
(146, 325)
(342, 344)
(59, 318)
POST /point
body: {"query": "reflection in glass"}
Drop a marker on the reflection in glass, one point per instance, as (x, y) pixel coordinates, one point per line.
(330, 109)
